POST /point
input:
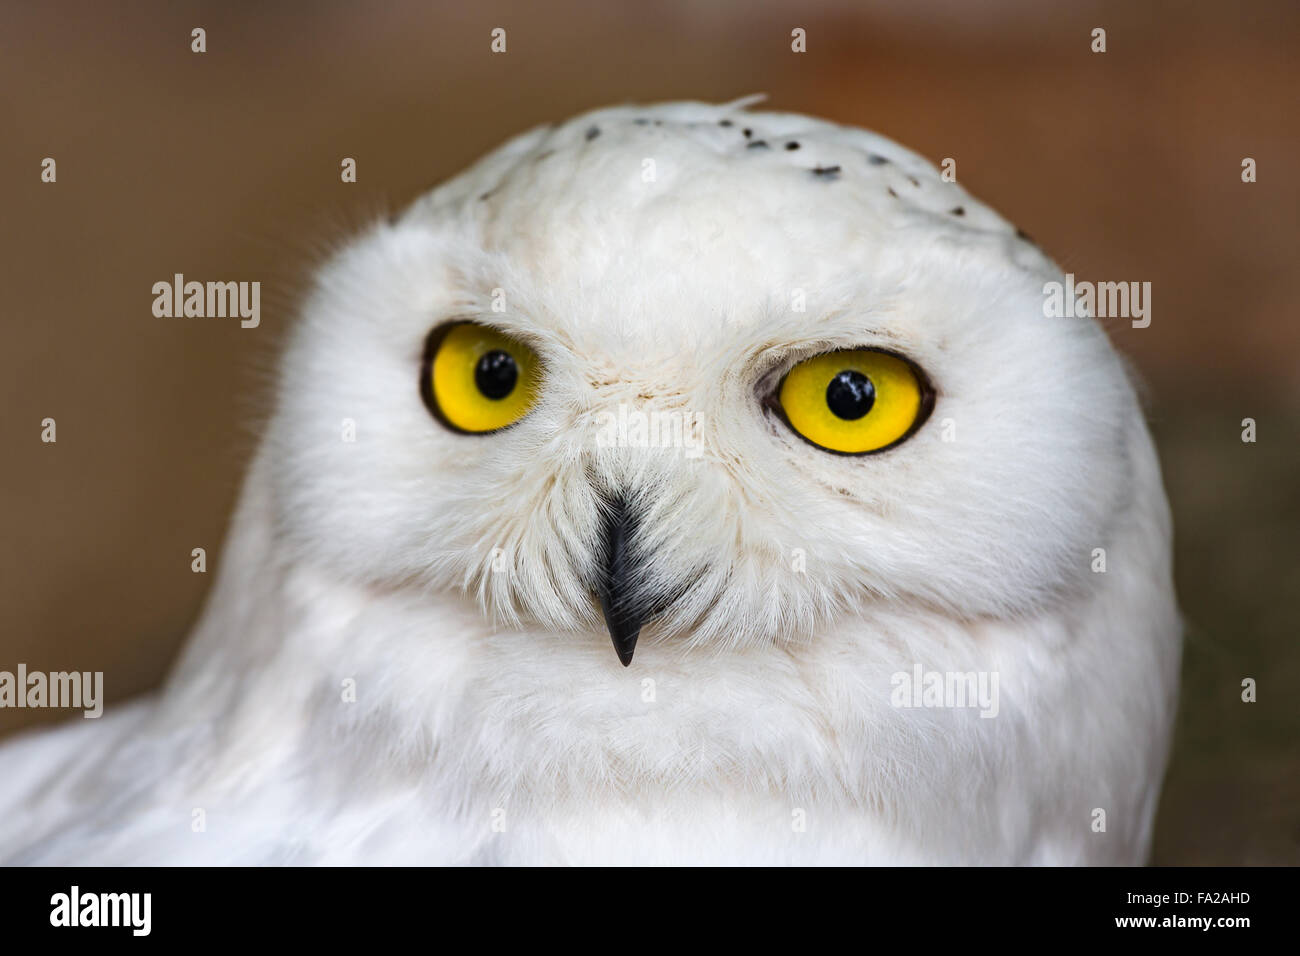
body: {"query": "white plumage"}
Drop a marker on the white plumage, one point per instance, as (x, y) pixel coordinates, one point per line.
(650, 256)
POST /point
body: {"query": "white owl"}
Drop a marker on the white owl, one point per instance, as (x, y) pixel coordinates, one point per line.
(766, 391)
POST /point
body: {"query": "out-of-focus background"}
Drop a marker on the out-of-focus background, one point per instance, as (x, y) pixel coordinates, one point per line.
(1123, 165)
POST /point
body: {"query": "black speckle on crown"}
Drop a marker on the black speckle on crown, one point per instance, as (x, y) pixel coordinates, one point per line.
(495, 374)
(836, 164)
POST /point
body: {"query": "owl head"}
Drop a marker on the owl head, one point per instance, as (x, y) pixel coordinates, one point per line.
(727, 376)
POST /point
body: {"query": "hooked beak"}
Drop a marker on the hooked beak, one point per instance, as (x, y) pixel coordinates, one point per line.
(617, 590)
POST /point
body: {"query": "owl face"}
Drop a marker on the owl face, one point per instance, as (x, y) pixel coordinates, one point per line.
(639, 370)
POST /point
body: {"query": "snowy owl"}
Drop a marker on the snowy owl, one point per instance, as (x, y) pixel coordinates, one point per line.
(768, 403)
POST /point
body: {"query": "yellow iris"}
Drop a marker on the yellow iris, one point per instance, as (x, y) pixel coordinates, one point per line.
(481, 380)
(853, 402)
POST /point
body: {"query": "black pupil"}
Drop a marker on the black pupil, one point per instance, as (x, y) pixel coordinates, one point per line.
(850, 395)
(496, 374)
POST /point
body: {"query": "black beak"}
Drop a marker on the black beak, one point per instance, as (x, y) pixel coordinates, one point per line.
(617, 589)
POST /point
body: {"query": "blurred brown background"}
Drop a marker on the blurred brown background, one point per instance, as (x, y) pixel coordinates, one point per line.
(225, 165)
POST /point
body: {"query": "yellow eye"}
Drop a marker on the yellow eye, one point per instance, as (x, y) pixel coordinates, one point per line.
(477, 380)
(855, 401)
